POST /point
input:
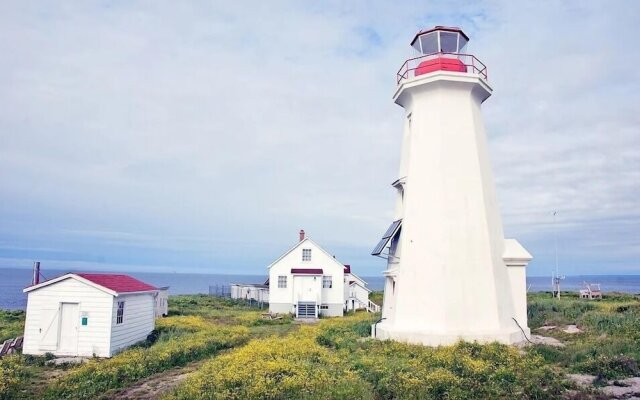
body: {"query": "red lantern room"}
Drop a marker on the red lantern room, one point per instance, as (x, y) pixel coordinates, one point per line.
(441, 48)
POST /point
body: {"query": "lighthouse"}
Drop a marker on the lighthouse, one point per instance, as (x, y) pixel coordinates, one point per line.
(451, 275)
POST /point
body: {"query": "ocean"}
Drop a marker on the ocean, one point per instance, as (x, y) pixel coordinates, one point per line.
(13, 280)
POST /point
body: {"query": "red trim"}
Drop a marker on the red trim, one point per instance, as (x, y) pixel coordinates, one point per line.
(440, 28)
(306, 271)
(440, 64)
(472, 64)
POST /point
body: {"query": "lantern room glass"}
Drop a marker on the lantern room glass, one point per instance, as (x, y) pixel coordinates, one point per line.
(428, 44)
(440, 42)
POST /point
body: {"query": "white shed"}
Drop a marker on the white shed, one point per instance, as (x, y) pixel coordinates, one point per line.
(82, 314)
(258, 292)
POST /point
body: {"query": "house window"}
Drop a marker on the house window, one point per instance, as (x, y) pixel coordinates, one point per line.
(282, 281)
(306, 254)
(324, 307)
(327, 283)
(120, 313)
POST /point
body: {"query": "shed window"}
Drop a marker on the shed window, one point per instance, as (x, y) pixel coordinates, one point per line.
(282, 281)
(306, 254)
(327, 282)
(120, 313)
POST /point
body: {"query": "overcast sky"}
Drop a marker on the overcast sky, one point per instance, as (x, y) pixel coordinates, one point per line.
(201, 136)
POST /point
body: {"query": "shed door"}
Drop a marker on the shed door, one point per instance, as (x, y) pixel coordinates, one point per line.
(69, 316)
(49, 328)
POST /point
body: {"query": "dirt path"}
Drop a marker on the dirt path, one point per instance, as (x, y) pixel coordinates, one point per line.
(154, 386)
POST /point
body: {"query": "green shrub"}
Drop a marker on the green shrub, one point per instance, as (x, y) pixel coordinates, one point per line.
(608, 367)
(550, 311)
(293, 367)
(98, 376)
(462, 371)
(11, 324)
(341, 333)
(13, 373)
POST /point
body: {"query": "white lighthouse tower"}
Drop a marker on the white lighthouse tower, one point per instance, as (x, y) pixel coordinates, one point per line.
(451, 274)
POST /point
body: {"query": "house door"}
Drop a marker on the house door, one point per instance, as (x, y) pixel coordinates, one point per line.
(307, 286)
(69, 315)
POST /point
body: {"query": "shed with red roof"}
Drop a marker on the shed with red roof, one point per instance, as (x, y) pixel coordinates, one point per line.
(88, 314)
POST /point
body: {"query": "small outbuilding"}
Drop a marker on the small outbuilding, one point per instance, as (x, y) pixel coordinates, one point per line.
(162, 302)
(258, 292)
(86, 314)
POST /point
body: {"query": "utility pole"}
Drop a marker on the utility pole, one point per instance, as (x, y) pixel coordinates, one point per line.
(557, 278)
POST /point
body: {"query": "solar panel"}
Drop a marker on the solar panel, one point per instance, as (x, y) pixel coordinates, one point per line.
(387, 236)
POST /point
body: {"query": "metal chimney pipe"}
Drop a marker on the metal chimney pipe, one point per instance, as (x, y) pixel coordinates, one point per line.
(36, 273)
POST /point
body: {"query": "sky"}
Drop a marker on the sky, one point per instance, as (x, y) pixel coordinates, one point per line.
(202, 136)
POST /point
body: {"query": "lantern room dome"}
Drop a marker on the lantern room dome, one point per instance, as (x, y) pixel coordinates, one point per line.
(440, 39)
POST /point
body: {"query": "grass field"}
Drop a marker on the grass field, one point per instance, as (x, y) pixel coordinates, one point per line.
(220, 349)
(11, 324)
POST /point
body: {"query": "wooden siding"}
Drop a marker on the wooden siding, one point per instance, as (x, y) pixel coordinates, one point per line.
(96, 304)
(138, 321)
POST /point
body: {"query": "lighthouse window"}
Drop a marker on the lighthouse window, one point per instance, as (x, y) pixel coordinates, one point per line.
(306, 254)
(327, 282)
(429, 43)
(449, 42)
(282, 281)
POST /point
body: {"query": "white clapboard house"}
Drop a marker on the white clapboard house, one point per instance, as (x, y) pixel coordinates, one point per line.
(308, 281)
(82, 314)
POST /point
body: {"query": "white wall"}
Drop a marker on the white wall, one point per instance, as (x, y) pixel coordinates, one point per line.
(162, 303)
(518, 279)
(360, 293)
(283, 298)
(245, 292)
(138, 321)
(96, 304)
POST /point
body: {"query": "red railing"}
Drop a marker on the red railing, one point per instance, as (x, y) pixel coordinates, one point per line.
(420, 65)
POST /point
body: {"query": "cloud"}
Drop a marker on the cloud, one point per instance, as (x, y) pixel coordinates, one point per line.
(199, 136)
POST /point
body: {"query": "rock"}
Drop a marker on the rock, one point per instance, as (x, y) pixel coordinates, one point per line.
(549, 341)
(581, 379)
(631, 388)
(572, 329)
(307, 320)
(66, 360)
(547, 328)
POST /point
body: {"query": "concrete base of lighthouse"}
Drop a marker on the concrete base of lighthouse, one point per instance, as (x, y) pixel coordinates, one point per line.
(507, 336)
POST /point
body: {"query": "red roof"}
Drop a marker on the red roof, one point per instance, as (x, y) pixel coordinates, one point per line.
(118, 283)
(310, 271)
(347, 269)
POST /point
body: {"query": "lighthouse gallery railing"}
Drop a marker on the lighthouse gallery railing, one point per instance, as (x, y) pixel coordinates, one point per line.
(466, 63)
